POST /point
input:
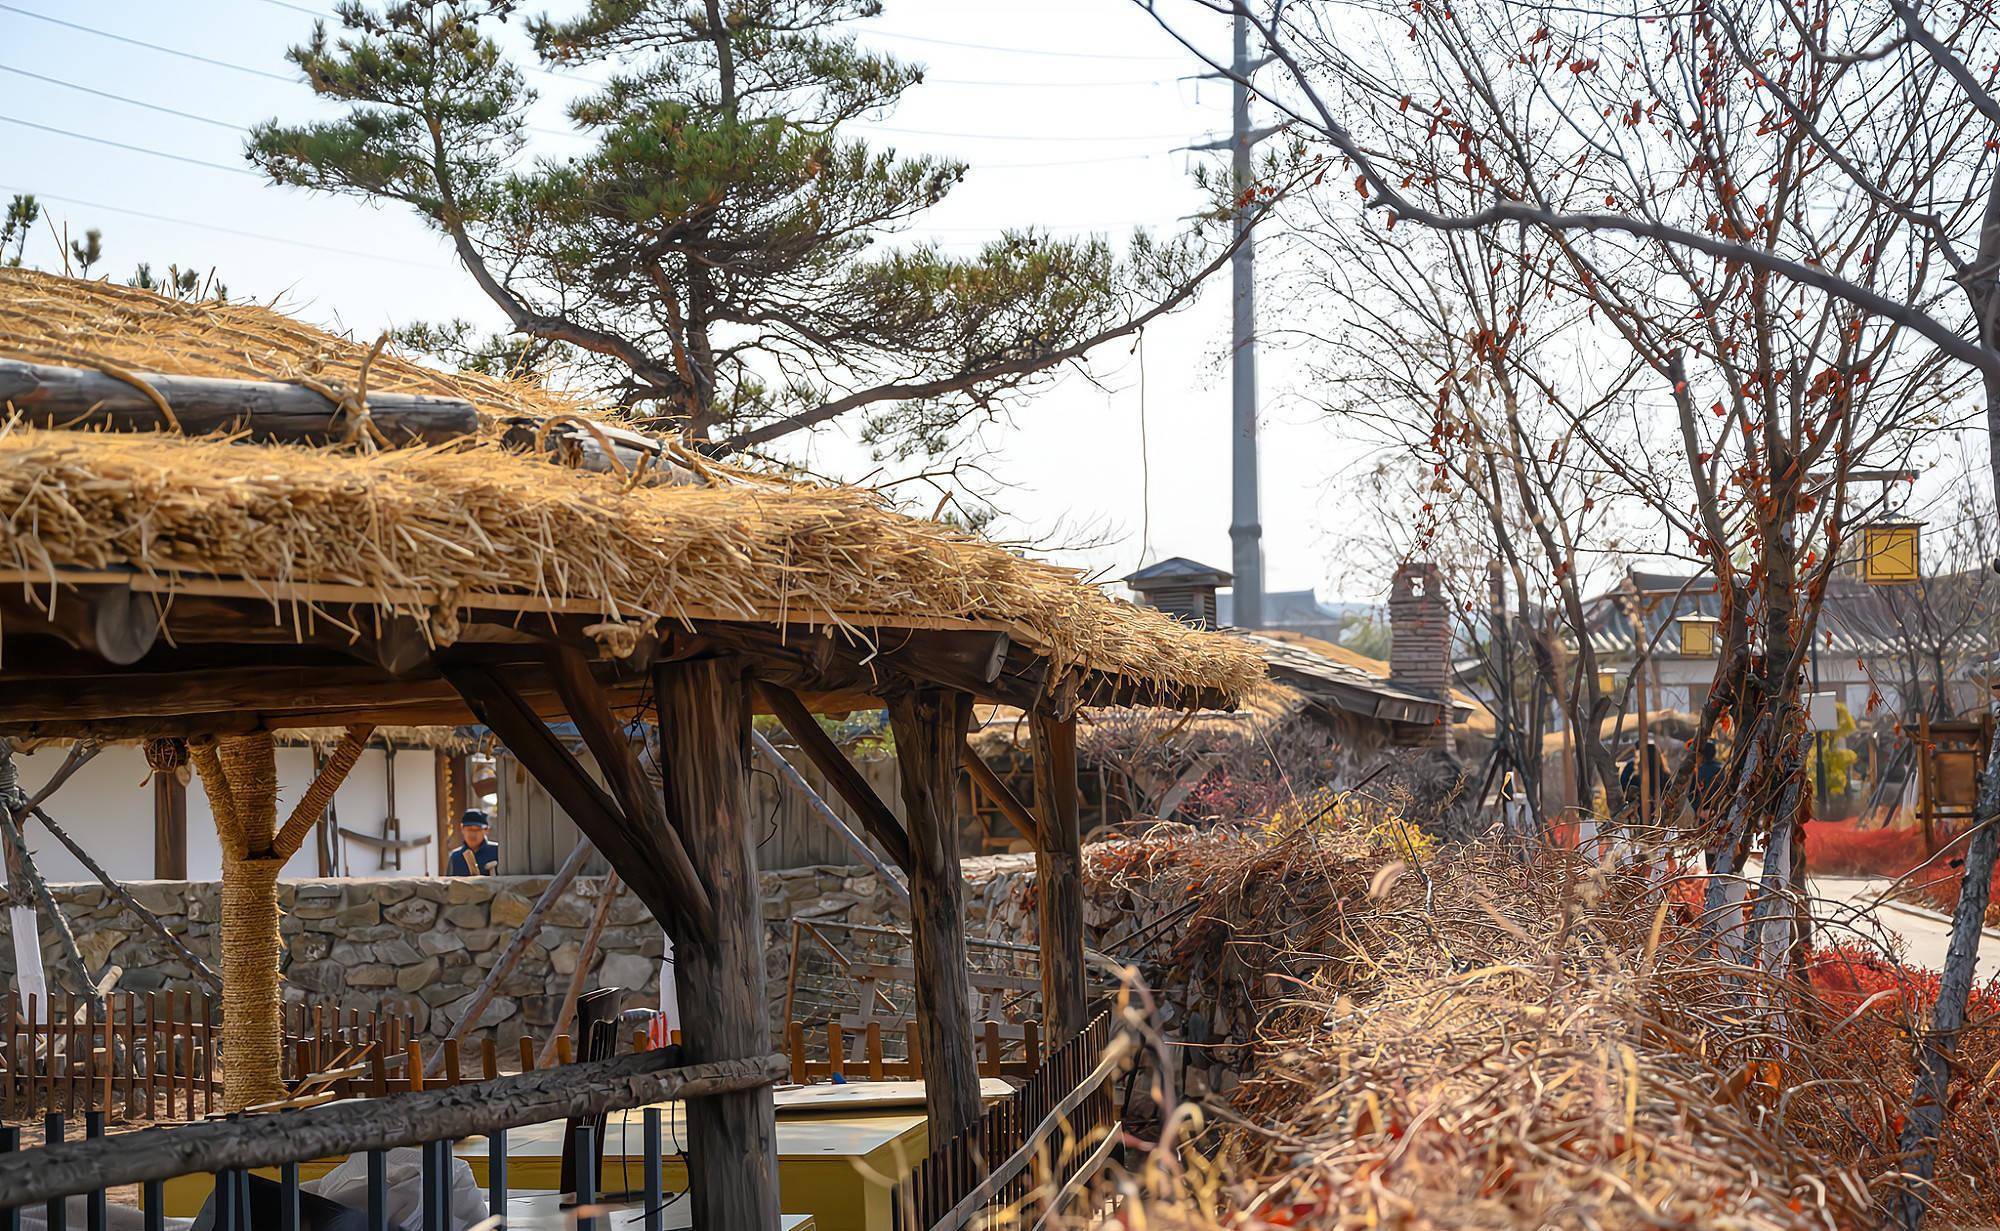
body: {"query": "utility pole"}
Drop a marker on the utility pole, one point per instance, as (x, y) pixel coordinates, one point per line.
(1246, 534)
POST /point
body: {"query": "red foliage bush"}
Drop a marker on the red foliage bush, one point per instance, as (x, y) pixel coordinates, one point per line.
(1846, 975)
(1840, 848)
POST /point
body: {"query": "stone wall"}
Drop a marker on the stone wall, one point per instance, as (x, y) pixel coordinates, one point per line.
(422, 945)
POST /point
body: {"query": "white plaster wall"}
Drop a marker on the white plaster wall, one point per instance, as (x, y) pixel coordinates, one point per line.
(108, 808)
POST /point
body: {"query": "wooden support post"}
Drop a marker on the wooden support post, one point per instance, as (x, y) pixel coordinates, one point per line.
(1058, 877)
(704, 709)
(170, 827)
(929, 726)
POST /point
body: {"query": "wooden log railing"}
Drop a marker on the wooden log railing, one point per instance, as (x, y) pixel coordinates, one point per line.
(429, 1119)
(1031, 1152)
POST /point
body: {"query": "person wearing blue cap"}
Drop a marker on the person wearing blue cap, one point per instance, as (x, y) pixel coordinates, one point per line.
(476, 855)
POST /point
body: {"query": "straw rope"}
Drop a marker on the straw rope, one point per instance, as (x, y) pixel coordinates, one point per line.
(252, 946)
(215, 783)
(312, 806)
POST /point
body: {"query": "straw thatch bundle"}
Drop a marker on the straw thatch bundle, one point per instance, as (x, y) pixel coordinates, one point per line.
(1486, 1042)
(430, 531)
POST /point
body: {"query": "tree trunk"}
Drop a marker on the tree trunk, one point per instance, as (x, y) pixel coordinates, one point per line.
(704, 709)
(1058, 878)
(1928, 1101)
(929, 726)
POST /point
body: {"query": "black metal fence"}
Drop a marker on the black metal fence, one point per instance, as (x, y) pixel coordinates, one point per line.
(63, 1173)
(1030, 1150)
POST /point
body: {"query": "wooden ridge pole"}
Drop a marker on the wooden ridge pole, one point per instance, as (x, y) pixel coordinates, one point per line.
(929, 726)
(704, 709)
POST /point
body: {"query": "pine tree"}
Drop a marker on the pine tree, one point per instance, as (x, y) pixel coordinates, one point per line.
(22, 214)
(715, 259)
(87, 251)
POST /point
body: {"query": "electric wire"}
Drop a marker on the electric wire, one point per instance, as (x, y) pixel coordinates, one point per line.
(221, 230)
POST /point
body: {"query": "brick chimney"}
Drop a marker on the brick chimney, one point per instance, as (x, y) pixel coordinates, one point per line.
(1420, 643)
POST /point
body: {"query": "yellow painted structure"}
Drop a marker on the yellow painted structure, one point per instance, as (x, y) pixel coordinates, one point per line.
(1698, 635)
(840, 1149)
(1891, 553)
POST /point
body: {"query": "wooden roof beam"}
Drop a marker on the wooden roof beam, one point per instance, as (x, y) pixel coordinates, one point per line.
(834, 766)
(993, 784)
(669, 891)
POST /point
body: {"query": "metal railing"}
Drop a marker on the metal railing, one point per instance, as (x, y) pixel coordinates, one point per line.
(61, 1171)
(1031, 1151)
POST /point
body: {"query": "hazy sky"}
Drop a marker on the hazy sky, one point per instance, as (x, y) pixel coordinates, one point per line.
(1068, 111)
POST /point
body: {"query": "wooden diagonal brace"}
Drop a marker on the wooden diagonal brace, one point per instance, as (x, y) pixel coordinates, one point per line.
(993, 784)
(667, 887)
(834, 766)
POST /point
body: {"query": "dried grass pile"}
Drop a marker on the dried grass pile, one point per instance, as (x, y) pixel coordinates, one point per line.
(426, 531)
(1482, 1042)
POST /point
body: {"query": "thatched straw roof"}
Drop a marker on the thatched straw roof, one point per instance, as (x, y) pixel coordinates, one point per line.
(433, 531)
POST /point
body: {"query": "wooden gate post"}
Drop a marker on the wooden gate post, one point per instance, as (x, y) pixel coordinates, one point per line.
(732, 1138)
(1058, 876)
(929, 726)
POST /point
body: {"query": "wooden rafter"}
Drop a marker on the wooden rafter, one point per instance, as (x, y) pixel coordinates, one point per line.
(993, 784)
(834, 766)
(665, 888)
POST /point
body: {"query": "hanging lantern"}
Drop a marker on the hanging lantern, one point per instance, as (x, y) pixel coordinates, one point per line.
(1698, 635)
(1607, 681)
(1891, 553)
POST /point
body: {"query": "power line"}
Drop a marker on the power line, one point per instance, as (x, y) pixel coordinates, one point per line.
(120, 98)
(932, 132)
(209, 226)
(1021, 51)
(185, 55)
(136, 149)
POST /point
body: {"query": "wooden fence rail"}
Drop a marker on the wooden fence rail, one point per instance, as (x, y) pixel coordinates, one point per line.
(1029, 1150)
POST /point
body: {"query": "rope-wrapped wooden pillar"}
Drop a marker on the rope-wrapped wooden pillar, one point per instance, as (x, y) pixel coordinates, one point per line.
(240, 775)
(929, 725)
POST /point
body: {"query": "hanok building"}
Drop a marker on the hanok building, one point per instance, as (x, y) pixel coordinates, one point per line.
(217, 524)
(1923, 646)
(1329, 711)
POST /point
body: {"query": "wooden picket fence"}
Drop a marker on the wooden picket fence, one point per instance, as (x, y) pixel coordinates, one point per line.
(1031, 1151)
(853, 1051)
(154, 1056)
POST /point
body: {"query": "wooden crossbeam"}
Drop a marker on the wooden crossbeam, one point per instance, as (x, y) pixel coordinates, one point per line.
(644, 807)
(993, 784)
(652, 879)
(834, 766)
